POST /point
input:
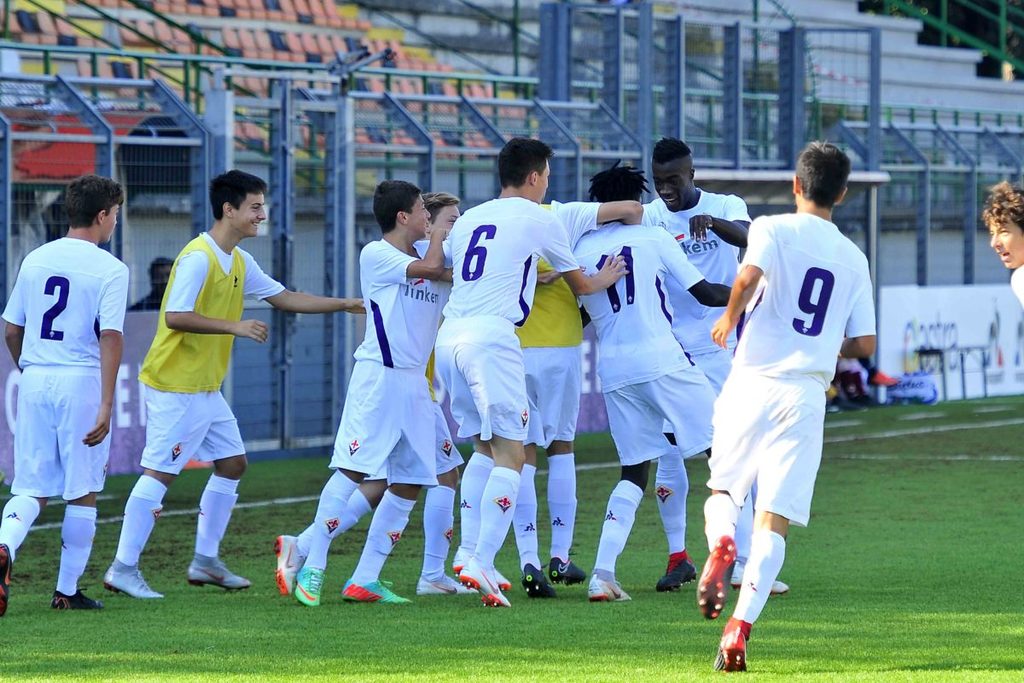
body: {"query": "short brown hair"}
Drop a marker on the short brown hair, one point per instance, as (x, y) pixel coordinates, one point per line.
(823, 170)
(435, 201)
(87, 195)
(1005, 204)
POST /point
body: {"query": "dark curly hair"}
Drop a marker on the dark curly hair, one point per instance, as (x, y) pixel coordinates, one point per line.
(618, 183)
(1005, 204)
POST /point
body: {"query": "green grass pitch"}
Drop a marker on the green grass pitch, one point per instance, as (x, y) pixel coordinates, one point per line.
(910, 570)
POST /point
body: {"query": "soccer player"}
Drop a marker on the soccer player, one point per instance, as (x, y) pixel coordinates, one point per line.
(711, 229)
(64, 322)
(1004, 217)
(494, 251)
(291, 551)
(187, 416)
(388, 423)
(812, 300)
(550, 339)
(645, 374)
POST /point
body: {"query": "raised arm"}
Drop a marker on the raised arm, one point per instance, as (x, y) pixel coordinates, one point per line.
(300, 302)
(742, 292)
(713, 295)
(431, 266)
(734, 232)
(628, 212)
(581, 285)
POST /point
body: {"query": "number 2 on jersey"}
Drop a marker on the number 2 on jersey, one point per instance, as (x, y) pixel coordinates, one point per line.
(476, 254)
(613, 293)
(60, 286)
(817, 306)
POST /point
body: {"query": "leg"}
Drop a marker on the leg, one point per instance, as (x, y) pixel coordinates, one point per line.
(77, 534)
(19, 514)
(720, 514)
(618, 522)
(474, 479)
(140, 513)
(671, 488)
(525, 515)
(389, 522)
(438, 518)
(562, 508)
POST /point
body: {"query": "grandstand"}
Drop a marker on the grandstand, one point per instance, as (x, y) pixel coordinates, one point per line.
(162, 94)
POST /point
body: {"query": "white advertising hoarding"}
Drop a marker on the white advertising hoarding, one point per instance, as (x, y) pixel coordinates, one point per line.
(985, 322)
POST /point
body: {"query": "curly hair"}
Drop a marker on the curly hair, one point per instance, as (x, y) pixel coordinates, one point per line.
(618, 183)
(1005, 204)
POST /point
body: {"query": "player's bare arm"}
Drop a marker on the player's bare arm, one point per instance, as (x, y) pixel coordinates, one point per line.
(858, 347)
(14, 335)
(712, 294)
(628, 212)
(111, 348)
(613, 270)
(548, 277)
(733, 232)
(300, 302)
(431, 266)
(742, 292)
(190, 321)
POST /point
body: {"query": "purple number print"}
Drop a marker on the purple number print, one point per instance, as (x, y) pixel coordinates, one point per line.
(613, 293)
(819, 306)
(476, 254)
(61, 287)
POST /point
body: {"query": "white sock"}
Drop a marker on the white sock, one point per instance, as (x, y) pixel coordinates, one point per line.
(19, 515)
(767, 553)
(474, 479)
(357, 506)
(333, 502)
(385, 531)
(438, 516)
(524, 519)
(497, 505)
(671, 486)
(562, 503)
(720, 515)
(76, 536)
(744, 529)
(214, 514)
(140, 513)
(618, 522)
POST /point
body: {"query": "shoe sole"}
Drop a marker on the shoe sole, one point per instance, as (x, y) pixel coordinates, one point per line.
(115, 589)
(5, 578)
(282, 583)
(733, 659)
(713, 589)
(489, 599)
(198, 582)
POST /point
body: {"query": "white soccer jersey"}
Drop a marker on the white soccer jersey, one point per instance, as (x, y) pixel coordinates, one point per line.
(715, 258)
(1017, 284)
(633, 319)
(578, 218)
(402, 313)
(816, 290)
(192, 269)
(495, 247)
(65, 293)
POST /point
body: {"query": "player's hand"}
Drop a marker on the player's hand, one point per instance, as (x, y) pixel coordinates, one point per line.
(613, 270)
(355, 306)
(251, 329)
(699, 226)
(100, 430)
(548, 277)
(720, 331)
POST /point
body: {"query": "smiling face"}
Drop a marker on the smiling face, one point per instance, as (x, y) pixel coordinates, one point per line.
(1007, 239)
(673, 181)
(246, 219)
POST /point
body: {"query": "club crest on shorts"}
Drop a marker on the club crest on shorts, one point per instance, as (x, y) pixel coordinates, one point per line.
(332, 524)
(448, 533)
(525, 417)
(663, 492)
(353, 447)
(176, 451)
(504, 502)
(395, 536)
(446, 448)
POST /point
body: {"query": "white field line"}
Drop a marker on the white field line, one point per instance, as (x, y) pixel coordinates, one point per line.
(921, 416)
(609, 465)
(843, 423)
(993, 409)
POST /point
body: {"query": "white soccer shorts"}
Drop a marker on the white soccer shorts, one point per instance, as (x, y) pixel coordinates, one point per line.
(387, 425)
(182, 427)
(481, 364)
(637, 412)
(553, 385)
(57, 407)
(770, 431)
(715, 365)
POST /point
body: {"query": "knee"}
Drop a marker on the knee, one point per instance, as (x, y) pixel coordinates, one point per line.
(231, 468)
(636, 474)
(449, 479)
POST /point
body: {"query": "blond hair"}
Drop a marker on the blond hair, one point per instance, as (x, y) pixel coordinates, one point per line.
(435, 201)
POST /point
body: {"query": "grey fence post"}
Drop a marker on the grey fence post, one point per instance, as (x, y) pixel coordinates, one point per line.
(7, 160)
(282, 170)
(645, 61)
(199, 157)
(220, 122)
(792, 109)
(874, 159)
(675, 84)
(612, 54)
(732, 100)
(339, 247)
(555, 52)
